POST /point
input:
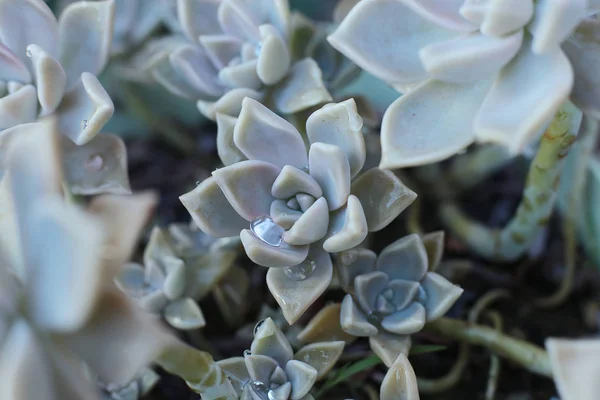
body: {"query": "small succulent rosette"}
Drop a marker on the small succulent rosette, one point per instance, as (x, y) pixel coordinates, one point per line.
(492, 71)
(134, 390)
(292, 207)
(233, 49)
(181, 266)
(392, 296)
(271, 371)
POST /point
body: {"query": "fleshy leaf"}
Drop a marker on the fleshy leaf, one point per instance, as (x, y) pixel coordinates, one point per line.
(434, 246)
(502, 17)
(441, 295)
(274, 59)
(383, 197)
(353, 320)
(444, 13)
(405, 259)
(11, 67)
(270, 341)
(400, 382)
(302, 376)
(50, 78)
(407, 321)
(325, 327)
(330, 168)
(184, 314)
(19, 107)
(260, 367)
(311, 226)
(294, 296)
(236, 370)
(270, 256)
(389, 346)
(347, 227)
(554, 21)
(228, 151)
(198, 17)
(292, 181)
(367, 287)
(230, 103)
(352, 263)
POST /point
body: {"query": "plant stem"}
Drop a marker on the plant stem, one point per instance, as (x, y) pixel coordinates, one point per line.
(167, 131)
(539, 195)
(529, 356)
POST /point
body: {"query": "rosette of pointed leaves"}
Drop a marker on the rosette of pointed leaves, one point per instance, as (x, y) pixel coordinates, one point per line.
(234, 49)
(294, 206)
(492, 71)
(393, 295)
(49, 66)
(271, 370)
(58, 305)
(180, 267)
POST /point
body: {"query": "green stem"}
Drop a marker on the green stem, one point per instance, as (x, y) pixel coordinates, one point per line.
(529, 356)
(539, 195)
(163, 127)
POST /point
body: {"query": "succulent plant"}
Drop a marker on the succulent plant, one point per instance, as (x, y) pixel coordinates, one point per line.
(294, 206)
(473, 67)
(134, 390)
(234, 49)
(271, 371)
(181, 266)
(290, 331)
(393, 295)
(46, 69)
(58, 308)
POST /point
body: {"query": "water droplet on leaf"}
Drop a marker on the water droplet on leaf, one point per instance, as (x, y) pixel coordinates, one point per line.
(94, 162)
(301, 271)
(267, 230)
(260, 389)
(258, 325)
(247, 353)
(28, 52)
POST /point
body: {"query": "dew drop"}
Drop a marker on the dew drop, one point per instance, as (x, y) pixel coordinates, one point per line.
(28, 52)
(268, 231)
(301, 271)
(258, 325)
(271, 395)
(260, 389)
(306, 169)
(374, 317)
(94, 162)
(258, 49)
(84, 124)
(198, 182)
(247, 353)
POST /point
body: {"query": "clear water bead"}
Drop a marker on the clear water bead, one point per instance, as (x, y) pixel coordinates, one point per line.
(301, 271)
(267, 230)
(28, 52)
(247, 353)
(260, 389)
(258, 325)
(94, 162)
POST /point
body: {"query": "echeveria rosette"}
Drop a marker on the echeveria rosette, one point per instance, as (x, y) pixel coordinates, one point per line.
(491, 71)
(293, 206)
(180, 267)
(392, 296)
(271, 370)
(50, 245)
(234, 49)
(49, 66)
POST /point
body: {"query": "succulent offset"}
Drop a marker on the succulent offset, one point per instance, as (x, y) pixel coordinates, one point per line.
(234, 49)
(486, 71)
(271, 371)
(392, 295)
(292, 207)
(180, 267)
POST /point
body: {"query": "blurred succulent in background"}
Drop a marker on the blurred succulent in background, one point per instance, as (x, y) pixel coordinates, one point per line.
(58, 306)
(271, 370)
(181, 266)
(234, 49)
(299, 205)
(393, 295)
(134, 390)
(487, 71)
(290, 331)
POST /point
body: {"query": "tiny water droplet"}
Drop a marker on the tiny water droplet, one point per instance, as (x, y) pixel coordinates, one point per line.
(306, 169)
(94, 162)
(84, 124)
(247, 353)
(271, 395)
(374, 317)
(258, 48)
(258, 325)
(198, 182)
(28, 52)
(260, 389)
(301, 271)
(267, 230)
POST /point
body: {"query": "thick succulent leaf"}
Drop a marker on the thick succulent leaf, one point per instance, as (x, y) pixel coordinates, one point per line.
(325, 327)
(130, 280)
(228, 151)
(241, 75)
(583, 50)
(469, 58)
(50, 78)
(352, 263)
(293, 296)
(404, 292)
(342, 8)
(292, 181)
(405, 259)
(554, 21)
(19, 107)
(236, 371)
(354, 321)
(70, 380)
(389, 346)
(367, 287)
(301, 89)
(311, 226)
(11, 67)
(184, 314)
(230, 294)
(85, 30)
(444, 13)
(434, 246)
(230, 103)
(575, 367)
(501, 17)
(85, 110)
(198, 17)
(118, 324)
(283, 215)
(407, 321)
(65, 248)
(330, 168)
(400, 382)
(270, 341)
(347, 227)
(99, 166)
(192, 65)
(260, 367)
(220, 49)
(211, 210)
(25, 22)
(270, 256)
(441, 295)
(263, 135)
(430, 123)
(274, 59)
(340, 125)
(534, 86)
(384, 38)
(383, 197)
(237, 20)
(302, 377)
(175, 281)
